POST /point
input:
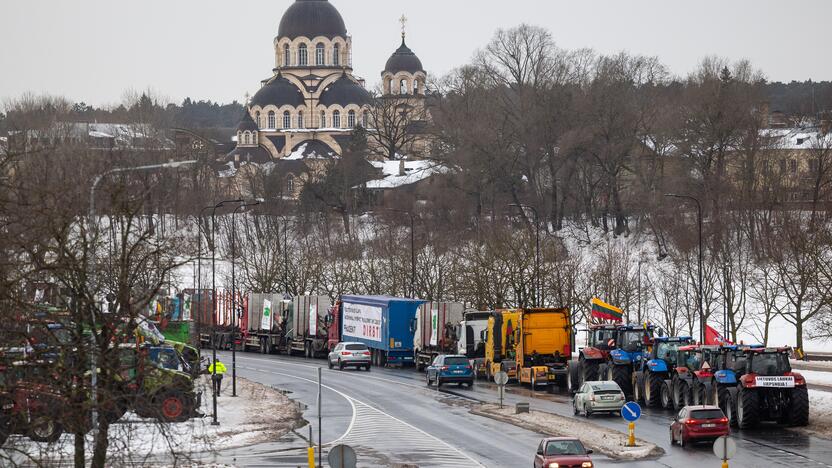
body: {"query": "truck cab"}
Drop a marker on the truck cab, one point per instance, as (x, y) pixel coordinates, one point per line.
(501, 336)
(471, 344)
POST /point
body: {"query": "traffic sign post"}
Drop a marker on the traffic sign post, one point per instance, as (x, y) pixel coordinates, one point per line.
(631, 411)
(725, 448)
(501, 379)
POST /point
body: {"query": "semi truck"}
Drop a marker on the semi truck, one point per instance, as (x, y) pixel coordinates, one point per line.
(307, 326)
(470, 342)
(531, 345)
(436, 331)
(385, 324)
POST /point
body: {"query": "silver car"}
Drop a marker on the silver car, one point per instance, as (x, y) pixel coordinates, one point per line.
(598, 397)
(349, 355)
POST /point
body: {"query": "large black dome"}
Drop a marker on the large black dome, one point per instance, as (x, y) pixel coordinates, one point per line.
(403, 60)
(312, 18)
(344, 92)
(278, 92)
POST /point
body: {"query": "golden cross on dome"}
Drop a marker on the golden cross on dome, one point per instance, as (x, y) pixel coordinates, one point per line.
(403, 21)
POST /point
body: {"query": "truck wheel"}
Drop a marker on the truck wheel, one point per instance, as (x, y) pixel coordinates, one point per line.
(637, 389)
(45, 429)
(173, 406)
(572, 379)
(621, 376)
(799, 408)
(680, 394)
(699, 394)
(748, 408)
(725, 401)
(329, 362)
(653, 384)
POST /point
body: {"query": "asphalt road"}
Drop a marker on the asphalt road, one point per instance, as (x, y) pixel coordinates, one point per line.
(391, 417)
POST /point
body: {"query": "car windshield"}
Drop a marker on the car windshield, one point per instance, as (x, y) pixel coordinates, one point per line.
(456, 361)
(605, 388)
(770, 364)
(355, 347)
(565, 447)
(707, 414)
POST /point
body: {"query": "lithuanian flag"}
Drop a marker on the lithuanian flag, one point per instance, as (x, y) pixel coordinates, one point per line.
(602, 310)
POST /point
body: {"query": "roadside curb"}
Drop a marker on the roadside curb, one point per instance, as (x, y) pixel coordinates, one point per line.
(653, 453)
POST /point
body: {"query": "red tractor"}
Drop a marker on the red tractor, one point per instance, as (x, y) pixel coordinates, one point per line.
(691, 383)
(600, 341)
(768, 390)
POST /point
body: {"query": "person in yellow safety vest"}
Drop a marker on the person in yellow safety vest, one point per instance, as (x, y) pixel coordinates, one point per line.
(217, 378)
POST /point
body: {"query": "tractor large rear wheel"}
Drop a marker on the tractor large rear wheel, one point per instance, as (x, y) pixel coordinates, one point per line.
(573, 370)
(621, 376)
(45, 428)
(726, 403)
(799, 408)
(589, 371)
(748, 408)
(653, 384)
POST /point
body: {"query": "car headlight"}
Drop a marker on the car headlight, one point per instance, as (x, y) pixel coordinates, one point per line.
(586, 465)
(554, 465)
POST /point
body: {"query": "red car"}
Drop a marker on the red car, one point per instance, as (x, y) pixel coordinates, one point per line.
(562, 452)
(698, 423)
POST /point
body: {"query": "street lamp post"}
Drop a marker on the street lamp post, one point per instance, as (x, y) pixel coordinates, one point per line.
(201, 310)
(93, 225)
(537, 295)
(701, 299)
(214, 422)
(234, 319)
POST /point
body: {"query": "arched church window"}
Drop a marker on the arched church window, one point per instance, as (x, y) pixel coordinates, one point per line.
(287, 56)
(302, 55)
(300, 119)
(390, 86)
(323, 119)
(319, 54)
(287, 120)
(272, 122)
(365, 120)
(403, 87)
(415, 86)
(336, 119)
(257, 119)
(336, 55)
(351, 119)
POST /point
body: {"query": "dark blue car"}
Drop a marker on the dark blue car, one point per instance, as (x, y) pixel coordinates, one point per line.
(448, 368)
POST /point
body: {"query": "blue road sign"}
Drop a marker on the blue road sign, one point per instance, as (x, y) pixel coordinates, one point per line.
(631, 411)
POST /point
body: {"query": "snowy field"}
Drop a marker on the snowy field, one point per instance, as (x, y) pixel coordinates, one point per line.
(817, 377)
(820, 415)
(258, 414)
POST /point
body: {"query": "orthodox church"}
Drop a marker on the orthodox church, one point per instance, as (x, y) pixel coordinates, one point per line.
(311, 103)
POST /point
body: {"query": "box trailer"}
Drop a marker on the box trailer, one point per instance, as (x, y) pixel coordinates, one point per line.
(385, 324)
(268, 319)
(308, 328)
(436, 331)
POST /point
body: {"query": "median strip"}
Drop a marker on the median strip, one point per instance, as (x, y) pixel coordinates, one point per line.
(600, 439)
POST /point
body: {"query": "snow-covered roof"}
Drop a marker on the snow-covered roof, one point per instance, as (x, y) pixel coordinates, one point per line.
(414, 171)
(798, 138)
(307, 151)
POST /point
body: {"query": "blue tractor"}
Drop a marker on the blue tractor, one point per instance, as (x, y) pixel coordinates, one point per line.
(652, 378)
(629, 350)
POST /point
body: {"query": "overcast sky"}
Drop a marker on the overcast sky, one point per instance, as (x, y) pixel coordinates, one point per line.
(95, 50)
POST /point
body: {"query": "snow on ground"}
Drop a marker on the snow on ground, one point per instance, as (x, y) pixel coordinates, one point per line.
(601, 439)
(817, 377)
(820, 414)
(258, 414)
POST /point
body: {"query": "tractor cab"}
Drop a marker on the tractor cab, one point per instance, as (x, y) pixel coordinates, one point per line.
(769, 390)
(602, 336)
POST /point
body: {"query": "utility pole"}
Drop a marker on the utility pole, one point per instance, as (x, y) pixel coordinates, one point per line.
(93, 226)
(234, 319)
(214, 422)
(699, 221)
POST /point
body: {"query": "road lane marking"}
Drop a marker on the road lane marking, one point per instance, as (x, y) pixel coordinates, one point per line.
(371, 433)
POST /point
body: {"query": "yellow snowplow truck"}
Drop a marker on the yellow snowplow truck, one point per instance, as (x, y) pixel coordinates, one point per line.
(532, 346)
